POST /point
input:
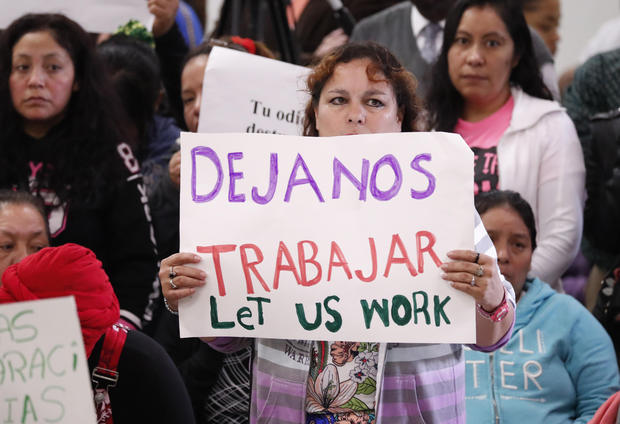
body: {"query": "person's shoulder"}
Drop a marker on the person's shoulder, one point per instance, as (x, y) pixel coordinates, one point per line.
(142, 351)
(126, 155)
(606, 63)
(541, 51)
(572, 310)
(530, 110)
(597, 72)
(393, 12)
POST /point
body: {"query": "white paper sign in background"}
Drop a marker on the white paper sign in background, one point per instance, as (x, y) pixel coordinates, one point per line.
(98, 16)
(335, 238)
(43, 369)
(252, 94)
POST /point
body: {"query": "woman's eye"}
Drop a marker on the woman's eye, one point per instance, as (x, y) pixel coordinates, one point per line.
(188, 101)
(54, 67)
(460, 40)
(5, 247)
(337, 101)
(493, 43)
(545, 28)
(20, 68)
(375, 103)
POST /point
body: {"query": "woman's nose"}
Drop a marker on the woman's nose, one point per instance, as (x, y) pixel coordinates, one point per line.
(356, 114)
(474, 56)
(197, 103)
(502, 253)
(19, 253)
(36, 76)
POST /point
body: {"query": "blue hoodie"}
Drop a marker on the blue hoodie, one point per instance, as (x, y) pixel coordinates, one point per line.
(559, 366)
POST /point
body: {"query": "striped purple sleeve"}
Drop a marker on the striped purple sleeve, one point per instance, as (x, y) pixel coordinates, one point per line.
(497, 345)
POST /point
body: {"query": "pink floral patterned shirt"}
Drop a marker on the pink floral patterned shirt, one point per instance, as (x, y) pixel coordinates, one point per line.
(342, 383)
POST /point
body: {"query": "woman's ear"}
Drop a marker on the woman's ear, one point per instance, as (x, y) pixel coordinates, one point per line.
(400, 116)
(515, 61)
(76, 86)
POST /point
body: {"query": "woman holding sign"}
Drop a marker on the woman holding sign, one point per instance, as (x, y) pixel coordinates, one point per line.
(362, 89)
(487, 87)
(63, 140)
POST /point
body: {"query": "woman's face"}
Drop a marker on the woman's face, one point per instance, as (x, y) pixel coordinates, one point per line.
(545, 19)
(22, 233)
(350, 103)
(481, 58)
(191, 90)
(512, 241)
(42, 81)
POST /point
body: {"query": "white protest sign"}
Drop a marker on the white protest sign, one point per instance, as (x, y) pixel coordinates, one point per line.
(98, 16)
(242, 92)
(43, 369)
(335, 238)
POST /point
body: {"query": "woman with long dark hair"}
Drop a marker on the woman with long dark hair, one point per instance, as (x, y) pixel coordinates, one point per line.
(487, 87)
(63, 140)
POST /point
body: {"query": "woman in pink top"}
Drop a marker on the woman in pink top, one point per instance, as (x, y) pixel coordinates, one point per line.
(487, 88)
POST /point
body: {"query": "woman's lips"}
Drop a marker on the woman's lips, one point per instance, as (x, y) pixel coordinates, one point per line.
(36, 99)
(473, 77)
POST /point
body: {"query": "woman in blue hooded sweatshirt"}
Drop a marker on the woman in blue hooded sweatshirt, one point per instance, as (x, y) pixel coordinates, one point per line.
(559, 366)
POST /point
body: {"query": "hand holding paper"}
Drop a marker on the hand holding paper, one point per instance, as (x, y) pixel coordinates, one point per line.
(179, 281)
(174, 169)
(164, 12)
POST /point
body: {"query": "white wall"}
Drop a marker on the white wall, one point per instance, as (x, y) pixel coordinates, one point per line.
(580, 21)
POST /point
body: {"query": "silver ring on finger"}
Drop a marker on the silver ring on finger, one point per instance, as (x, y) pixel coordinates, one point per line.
(473, 281)
(479, 272)
(172, 274)
(172, 285)
(477, 257)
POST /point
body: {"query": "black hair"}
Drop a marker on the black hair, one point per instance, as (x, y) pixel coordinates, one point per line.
(13, 197)
(203, 48)
(444, 102)
(81, 153)
(530, 5)
(134, 69)
(228, 42)
(493, 199)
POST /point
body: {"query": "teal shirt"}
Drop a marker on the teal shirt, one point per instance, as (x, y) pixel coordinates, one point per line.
(559, 366)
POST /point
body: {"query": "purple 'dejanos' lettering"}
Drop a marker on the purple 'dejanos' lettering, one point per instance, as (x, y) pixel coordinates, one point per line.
(361, 186)
(398, 178)
(415, 165)
(273, 181)
(294, 181)
(338, 171)
(208, 153)
(232, 197)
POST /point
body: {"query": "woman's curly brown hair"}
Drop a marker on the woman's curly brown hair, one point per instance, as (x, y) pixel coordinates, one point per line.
(383, 67)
